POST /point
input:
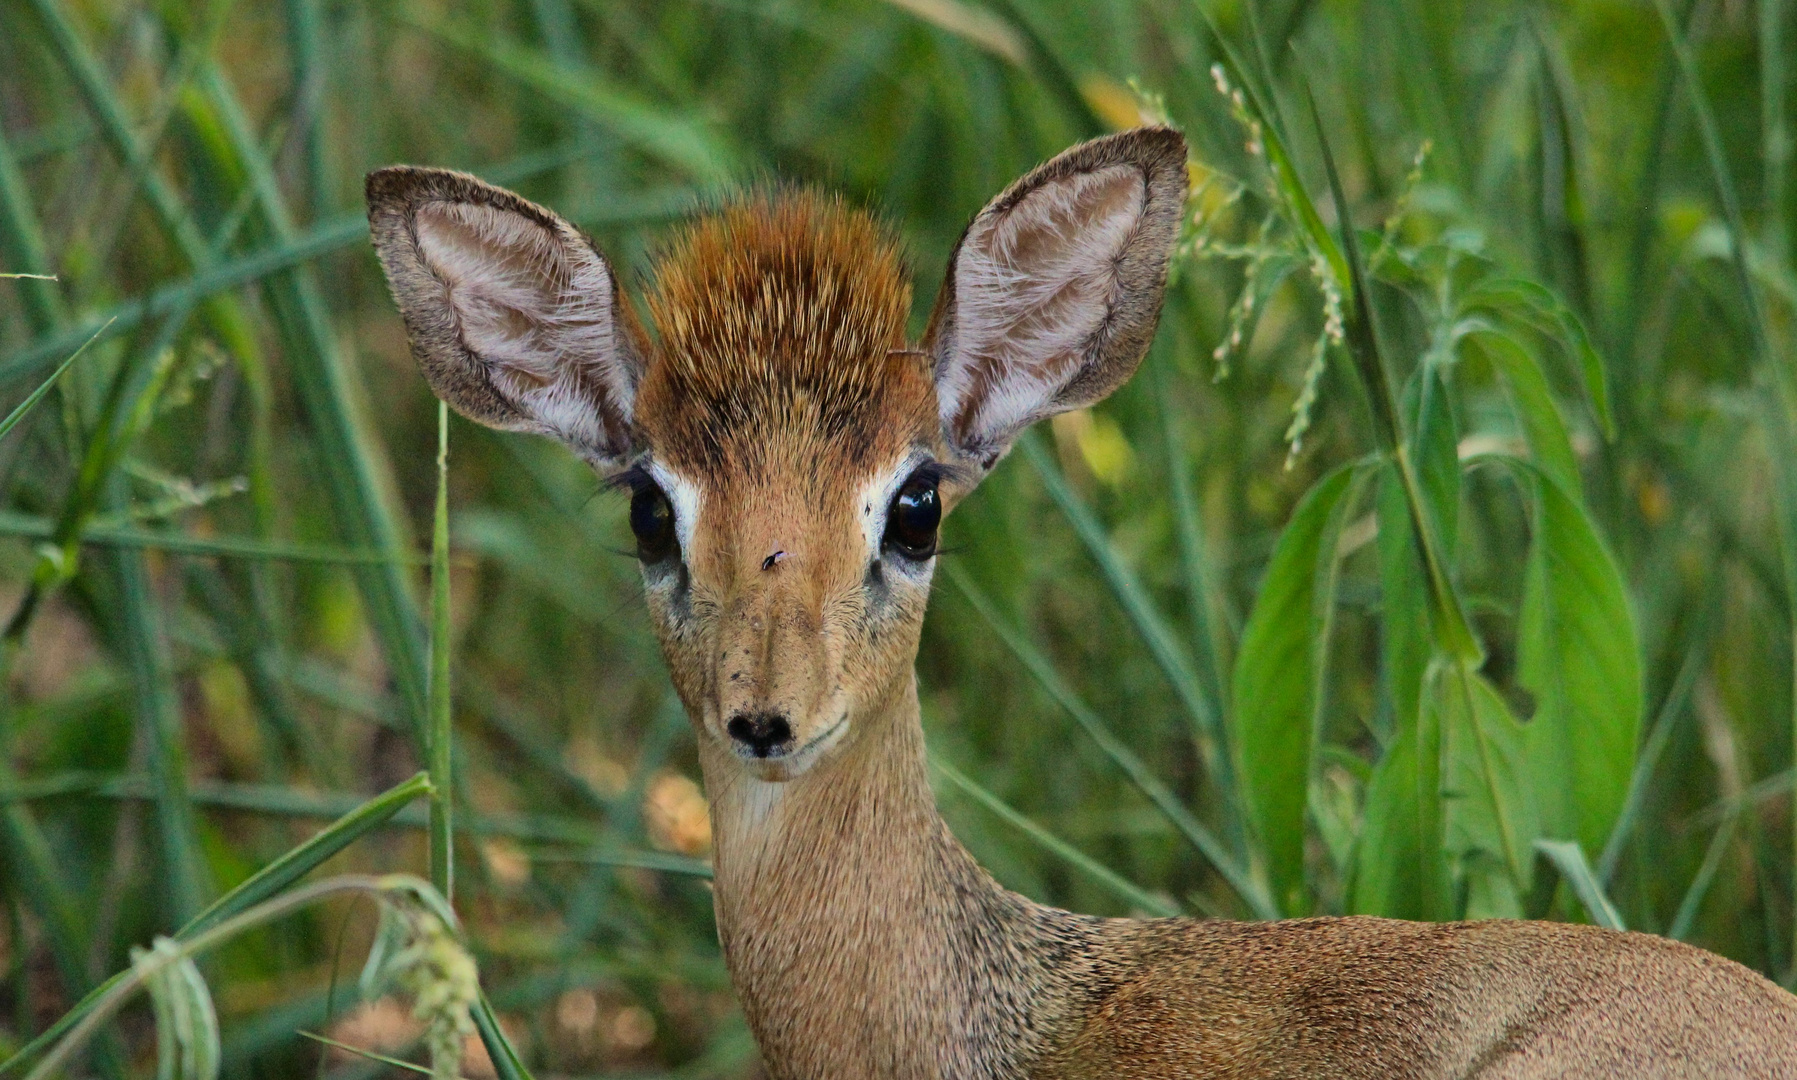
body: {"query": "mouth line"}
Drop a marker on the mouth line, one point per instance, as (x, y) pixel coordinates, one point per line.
(788, 756)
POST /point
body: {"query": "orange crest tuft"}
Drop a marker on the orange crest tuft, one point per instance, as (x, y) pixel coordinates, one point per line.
(786, 304)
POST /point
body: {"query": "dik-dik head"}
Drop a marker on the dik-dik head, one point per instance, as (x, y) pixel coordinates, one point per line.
(788, 454)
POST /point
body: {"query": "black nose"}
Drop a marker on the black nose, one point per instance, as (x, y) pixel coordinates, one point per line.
(765, 734)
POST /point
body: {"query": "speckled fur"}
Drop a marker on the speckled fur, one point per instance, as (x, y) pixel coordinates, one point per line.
(779, 406)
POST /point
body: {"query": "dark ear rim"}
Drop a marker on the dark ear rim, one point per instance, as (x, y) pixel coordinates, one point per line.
(1119, 344)
(455, 374)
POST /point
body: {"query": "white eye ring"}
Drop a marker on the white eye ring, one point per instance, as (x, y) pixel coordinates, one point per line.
(686, 499)
(875, 498)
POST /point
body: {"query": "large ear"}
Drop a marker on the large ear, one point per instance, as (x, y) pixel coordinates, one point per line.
(514, 317)
(1053, 293)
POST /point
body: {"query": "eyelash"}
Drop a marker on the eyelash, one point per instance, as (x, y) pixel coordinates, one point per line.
(630, 481)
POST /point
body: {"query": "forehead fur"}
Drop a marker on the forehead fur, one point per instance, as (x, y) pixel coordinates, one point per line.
(781, 321)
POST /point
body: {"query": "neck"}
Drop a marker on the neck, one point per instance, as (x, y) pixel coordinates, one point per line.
(862, 938)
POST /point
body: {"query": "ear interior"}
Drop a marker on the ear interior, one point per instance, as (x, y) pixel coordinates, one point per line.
(1055, 288)
(1033, 286)
(521, 301)
(514, 317)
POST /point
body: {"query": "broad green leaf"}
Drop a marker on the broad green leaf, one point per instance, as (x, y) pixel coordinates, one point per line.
(1579, 656)
(1404, 609)
(1487, 803)
(1435, 449)
(1279, 679)
(1399, 868)
(1537, 305)
(1533, 404)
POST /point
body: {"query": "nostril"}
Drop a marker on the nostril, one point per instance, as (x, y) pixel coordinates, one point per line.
(764, 734)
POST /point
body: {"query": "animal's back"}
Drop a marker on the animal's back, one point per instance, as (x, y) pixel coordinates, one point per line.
(1390, 1000)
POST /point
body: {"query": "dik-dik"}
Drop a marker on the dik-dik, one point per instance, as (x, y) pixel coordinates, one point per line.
(789, 457)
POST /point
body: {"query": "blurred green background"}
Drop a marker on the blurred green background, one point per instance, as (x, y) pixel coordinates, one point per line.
(1542, 588)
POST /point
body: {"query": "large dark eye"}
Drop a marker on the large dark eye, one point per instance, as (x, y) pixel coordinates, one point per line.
(652, 520)
(913, 517)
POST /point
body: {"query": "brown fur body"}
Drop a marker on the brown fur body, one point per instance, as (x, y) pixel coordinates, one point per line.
(778, 410)
(865, 942)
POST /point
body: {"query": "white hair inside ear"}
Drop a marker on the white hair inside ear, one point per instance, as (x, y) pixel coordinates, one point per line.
(1034, 285)
(535, 308)
(1056, 288)
(513, 316)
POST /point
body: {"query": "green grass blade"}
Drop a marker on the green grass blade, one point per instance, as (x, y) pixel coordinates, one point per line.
(1779, 421)
(115, 123)
(263, 885)
(22, 246)
(1775, 129)
(1052, 71)
(32, 862)
(506, 1062)
(30, 402)
(1209, 626)
(1148, 621)
(589, 843)
(361, 1053)
(302, 860)
(1569, 859)
(1654, 747)
(641, 860)
(674, 137)
(335, 235)
(311, 74)
(1721, 176)
(1250, 891)
(974, 25)
(187, 875)
(1692, 904)
(1129, 892)
(35, 875)
(441, 712)
(30, 526)
(1451, 625)
(358, 480)
(1562, 203)
(1780, 427)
